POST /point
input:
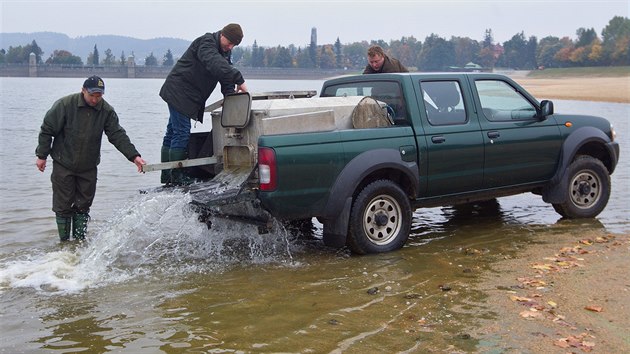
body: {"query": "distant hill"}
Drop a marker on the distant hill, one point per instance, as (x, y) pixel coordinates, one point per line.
(83, 46)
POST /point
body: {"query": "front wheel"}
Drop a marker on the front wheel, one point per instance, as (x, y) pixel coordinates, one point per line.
(588, 189)
(380, 219)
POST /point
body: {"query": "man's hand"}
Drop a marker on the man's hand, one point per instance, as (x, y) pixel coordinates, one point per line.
(241, 88)
(139, 162)
(41, 164)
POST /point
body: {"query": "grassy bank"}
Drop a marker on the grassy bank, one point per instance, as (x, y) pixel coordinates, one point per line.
(606, 71)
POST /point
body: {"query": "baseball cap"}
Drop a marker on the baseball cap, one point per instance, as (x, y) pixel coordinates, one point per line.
(94, 84)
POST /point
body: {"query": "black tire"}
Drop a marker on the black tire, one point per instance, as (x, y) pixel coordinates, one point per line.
(380, 219)
(588, 189)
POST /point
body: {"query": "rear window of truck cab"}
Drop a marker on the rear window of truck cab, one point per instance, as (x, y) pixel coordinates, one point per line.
(388, 92)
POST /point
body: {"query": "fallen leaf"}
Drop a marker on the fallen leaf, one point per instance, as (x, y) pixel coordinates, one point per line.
(562, 343)
(594, 308)
(542, 266)
(520, 299)
(530, 314)
(552, 304)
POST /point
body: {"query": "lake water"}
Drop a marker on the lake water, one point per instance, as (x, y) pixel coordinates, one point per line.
(153, 279)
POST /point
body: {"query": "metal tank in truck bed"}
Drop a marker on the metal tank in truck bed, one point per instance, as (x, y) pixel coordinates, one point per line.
(236, 126)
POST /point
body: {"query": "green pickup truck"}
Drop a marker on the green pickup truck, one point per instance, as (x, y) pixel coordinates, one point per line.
(371, 149)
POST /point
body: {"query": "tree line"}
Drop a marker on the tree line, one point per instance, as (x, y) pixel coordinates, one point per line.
(434, 54)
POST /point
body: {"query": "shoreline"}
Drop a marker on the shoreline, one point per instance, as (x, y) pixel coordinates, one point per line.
(602, 89)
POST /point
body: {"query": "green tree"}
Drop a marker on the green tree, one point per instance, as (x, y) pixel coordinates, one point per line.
(150, 60)
(258, 56)
(303, 59)
(95, 56)
(546, 51)
(282, 58)
(436, 55)
(168, 59)
(110, 59)
(338, 53)
(515, 52)
(123, 58)
(21, 55)
(585, 37)
(616, 41)
(34, 48)
(237, 54)
(3, 56)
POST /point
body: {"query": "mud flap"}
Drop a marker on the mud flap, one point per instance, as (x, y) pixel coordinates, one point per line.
(228, 196)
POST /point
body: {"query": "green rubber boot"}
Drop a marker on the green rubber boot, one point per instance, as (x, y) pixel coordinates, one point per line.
(165, 177)
(179, 177)
(79, 225)
(63, 227)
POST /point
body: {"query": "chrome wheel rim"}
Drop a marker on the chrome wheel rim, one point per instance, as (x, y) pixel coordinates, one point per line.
(382, 220)
(586, 189)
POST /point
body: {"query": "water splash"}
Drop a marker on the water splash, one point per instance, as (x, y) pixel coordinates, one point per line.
(155, 235)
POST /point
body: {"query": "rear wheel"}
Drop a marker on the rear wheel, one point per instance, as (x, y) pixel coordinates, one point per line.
(380, 219)
(588, 189)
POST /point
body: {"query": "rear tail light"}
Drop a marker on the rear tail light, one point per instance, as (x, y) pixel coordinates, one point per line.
(267, 169)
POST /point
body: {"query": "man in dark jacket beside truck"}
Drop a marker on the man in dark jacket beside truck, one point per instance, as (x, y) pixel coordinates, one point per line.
(189, 84)
(71, 134)
(379, 62)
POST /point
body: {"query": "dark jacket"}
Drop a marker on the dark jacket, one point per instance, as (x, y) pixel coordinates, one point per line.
(75, 131)
(391, 65)
(196, 74)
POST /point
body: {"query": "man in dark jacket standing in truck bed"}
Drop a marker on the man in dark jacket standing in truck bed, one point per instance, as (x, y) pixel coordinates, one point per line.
(71, 134)
(189, 84)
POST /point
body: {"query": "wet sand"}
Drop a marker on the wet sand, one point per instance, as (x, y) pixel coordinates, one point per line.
(605, 89)
(570, 294)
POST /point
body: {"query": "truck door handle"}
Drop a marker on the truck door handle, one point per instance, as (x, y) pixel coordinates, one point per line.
(438, 139)
(493, 134)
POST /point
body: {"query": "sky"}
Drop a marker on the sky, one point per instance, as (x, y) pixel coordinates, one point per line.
(284, 22)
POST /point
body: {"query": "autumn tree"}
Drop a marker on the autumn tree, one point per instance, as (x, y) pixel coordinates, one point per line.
(64, 57)
(327, 58)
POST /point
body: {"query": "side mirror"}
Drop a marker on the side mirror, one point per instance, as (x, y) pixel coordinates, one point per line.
(546, 108)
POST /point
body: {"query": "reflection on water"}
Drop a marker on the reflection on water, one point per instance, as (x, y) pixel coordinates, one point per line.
(154, 279)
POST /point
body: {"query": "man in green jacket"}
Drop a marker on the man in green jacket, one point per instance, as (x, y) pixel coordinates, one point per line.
(71, 134)
(205, 64)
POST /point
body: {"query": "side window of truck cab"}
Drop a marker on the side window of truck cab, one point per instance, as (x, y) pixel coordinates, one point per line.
(443, 102)
(501, 102)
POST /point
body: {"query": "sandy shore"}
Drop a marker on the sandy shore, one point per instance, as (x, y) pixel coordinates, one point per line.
(567, 295)
(606, 89)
